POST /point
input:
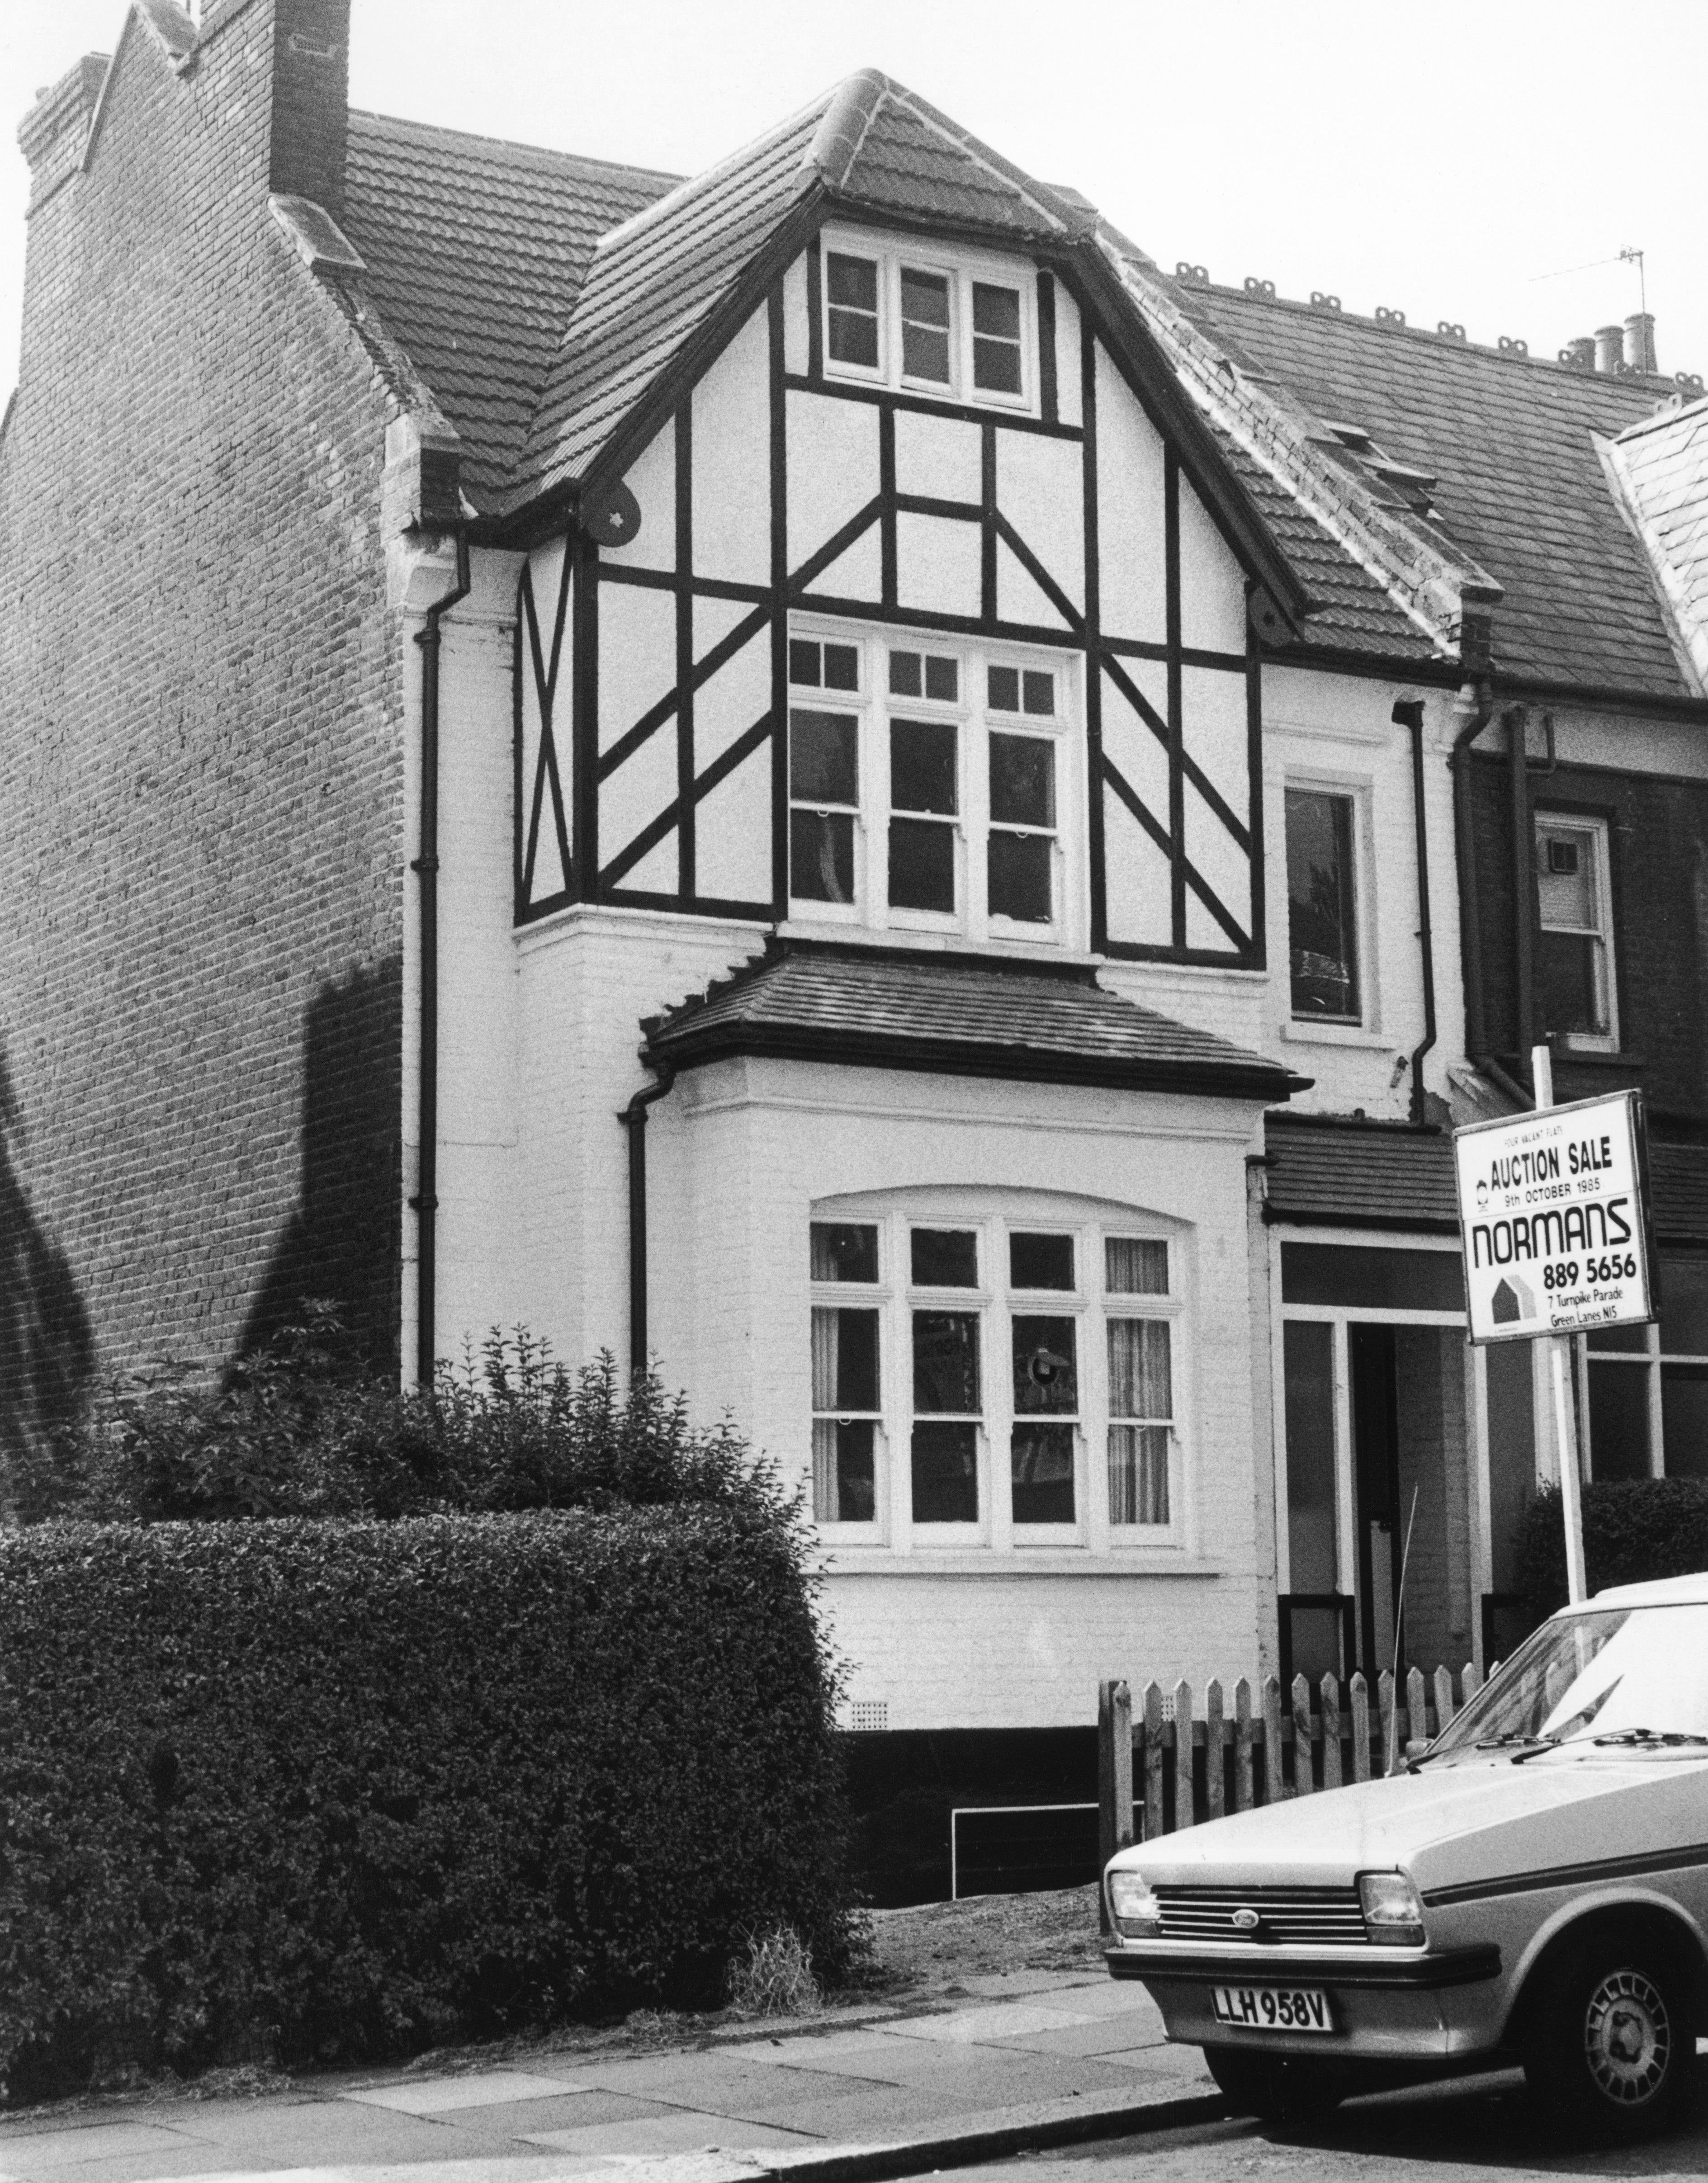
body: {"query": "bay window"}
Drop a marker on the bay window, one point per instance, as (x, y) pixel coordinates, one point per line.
(993, 1383)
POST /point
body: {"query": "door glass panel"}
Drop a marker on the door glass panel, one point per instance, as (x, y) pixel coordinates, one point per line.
(1618, 1419)
(1307, 1354)
(1511, 1455)
(1684, 1418)
(1683, 1303)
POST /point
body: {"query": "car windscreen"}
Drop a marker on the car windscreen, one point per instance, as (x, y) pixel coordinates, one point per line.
(1635, 1673)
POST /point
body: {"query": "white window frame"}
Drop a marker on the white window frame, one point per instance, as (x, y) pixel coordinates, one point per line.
(962, 268)
(1544, 820)
(993, 1219)
(971, 922)
(1356, 790)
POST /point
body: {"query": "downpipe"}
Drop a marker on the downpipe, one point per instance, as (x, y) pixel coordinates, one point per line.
(1409, 713)
(633, 1117)
(1475, 706)
(425, 866)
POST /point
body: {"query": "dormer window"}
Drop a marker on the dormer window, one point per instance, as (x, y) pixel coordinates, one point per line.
(922, 323)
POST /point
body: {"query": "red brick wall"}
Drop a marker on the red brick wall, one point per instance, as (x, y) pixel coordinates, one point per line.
(201, 782)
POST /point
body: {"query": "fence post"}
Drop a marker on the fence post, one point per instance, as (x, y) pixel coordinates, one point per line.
(1360, 1728)
(1390, 1731)
(1242, 1745)
(1183, 1812)
(1215, 1780)
(1274, 1784)
(1153, 1761)
(1304, 1732)
(1330, 1732)
(1469, 1682)
(1445, 1707)
(1416, 1708)
(1114, 1780)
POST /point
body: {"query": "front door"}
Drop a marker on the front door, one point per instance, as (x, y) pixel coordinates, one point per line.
(1376, 1534)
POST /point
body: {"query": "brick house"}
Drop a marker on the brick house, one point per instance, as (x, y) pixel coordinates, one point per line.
(1034, 790)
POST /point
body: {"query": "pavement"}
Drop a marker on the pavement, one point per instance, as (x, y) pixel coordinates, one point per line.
(1018, 2061)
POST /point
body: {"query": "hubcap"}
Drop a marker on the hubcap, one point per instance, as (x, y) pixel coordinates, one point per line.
(1628, 2038)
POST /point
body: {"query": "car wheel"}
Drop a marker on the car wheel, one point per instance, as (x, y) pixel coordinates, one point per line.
(1284, 2088)
(1614, 2046)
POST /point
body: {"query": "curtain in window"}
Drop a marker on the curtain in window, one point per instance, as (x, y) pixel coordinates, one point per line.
(1140, 1387)
(1135, 1266)
(826, 1348)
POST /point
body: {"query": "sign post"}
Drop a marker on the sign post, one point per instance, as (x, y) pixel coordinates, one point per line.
(1554, 1225)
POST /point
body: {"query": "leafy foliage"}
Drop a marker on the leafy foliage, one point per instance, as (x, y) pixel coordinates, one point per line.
(1634, 1529)
(285, 1788)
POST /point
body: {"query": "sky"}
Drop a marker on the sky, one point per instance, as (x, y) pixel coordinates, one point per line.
(1480, 161)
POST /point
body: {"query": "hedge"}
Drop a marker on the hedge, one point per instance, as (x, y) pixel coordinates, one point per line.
(310, 1789)
(1634, 1529)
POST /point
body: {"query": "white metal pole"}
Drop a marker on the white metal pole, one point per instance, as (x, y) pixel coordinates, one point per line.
(1564, 1414)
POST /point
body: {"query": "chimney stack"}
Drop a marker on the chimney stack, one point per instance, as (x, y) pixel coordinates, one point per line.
(1609, 348)
(1640, 341)
(1579, 355)
(311, 102)
(53, 133)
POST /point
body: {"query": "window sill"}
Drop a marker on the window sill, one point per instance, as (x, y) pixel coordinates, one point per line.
(1593, 1057)
(840, 1560)
(936, 940)
(1303, 1032)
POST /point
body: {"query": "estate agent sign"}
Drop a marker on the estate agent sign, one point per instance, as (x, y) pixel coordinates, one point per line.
(1553, 1220)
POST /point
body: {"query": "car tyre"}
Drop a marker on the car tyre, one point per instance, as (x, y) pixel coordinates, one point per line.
(1613, 2048)
(1290, 2089)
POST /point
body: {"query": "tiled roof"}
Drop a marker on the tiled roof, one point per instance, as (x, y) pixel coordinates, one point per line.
(1510, 443)
(1353, 1174)
(1662, 466)
(869, 1007)
(475, 251)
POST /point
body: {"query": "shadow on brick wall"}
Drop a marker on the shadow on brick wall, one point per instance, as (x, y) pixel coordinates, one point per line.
(341, 1243)
(47, 1343)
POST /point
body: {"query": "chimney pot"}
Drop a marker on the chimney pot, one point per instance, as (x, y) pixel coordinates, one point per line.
(1609, 348)
(1640, 341)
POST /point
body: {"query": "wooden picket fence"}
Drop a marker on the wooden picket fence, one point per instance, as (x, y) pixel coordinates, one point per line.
(1236, 1760)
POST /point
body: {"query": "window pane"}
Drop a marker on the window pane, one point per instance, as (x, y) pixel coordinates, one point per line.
(1141, 1377)
(1308, 1351)
(996, 310)
(1565, 890)
(853, 340)
(924, 675)
(906, 677)
(945, 1259)
(822, 856)
(1618, 1420)
(921, 865)
(1019, 877)
(1135, 1266)
(1634, 1341)
(1684, 1419)
(1321, 917)
(996, 338)
(851, 285)
(851, 281)
(1568, 984)
(925, 326)
(1003, 685)
(1684, 1303)
(945, 1363)
(1046, 1366)
(823, 757)
(844, 1250)
(943, 679)
(1023, 780)
(1389, 1280)
(996, 365)
(842, 667)
(945, 1473)
(1037, 685)
(1138, 1474)
(1040, 1261)
(803, 662)
(844, 1471)
(845, 1360)
(1040, 1472)
(922, 765)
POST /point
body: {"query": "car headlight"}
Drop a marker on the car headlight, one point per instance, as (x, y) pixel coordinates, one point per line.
(1135, 1909)
(1392, 1910)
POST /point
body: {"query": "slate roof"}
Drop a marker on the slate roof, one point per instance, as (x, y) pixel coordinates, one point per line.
(1510, 442)
(475, 251)
(1336, 1173)
(1663, 466)
(870, 1007)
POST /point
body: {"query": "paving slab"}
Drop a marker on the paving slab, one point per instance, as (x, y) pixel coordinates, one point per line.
(1110, 2036)
(474, 2088)
(684, 2132)
(1001, 1985)
(78, 2144)
(994, 2021)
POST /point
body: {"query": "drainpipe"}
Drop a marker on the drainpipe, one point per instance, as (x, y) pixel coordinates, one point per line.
(1475, 706)
(1409, 713)
(1515, 719)
(426, 865)
(633, 1117)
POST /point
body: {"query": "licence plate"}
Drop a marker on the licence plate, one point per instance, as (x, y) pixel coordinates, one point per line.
(1271, 2008)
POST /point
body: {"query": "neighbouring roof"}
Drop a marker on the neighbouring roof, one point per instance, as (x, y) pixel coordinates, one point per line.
(1662, 468)
(476, 252)
(1506, 446)
(871, 1007)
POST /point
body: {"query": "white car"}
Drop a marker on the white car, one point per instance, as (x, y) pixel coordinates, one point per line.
(1534, 1887)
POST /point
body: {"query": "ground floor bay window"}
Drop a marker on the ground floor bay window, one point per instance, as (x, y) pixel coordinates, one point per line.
(995, 1377)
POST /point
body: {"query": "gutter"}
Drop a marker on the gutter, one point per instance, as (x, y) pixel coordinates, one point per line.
(1409, 713)
(633, 1117)
(426, 865)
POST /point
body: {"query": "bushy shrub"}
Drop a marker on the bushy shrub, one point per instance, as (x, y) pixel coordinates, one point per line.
(281, 1789)
(1634, 1529)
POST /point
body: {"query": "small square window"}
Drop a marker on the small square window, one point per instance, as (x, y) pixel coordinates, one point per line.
(1040, 1261)
(844, 1250)
(945, 1259)
(1135, 1266)
(1038, 685)
(996, 338)
(924, 675)
(851, 300)
(1002, 689)
(924, 325)
(817, 666)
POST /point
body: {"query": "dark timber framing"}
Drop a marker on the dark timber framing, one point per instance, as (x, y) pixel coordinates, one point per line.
(541, 802)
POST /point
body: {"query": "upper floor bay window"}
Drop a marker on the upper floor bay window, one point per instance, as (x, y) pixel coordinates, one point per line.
(999, 1381)
(929, 788)
(922, 322)
(1322, 906)
(1575, 985)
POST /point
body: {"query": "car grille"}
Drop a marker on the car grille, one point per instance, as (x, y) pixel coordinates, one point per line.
(1306, 1916)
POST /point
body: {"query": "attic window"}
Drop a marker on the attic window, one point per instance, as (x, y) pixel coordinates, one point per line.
(925, 324)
